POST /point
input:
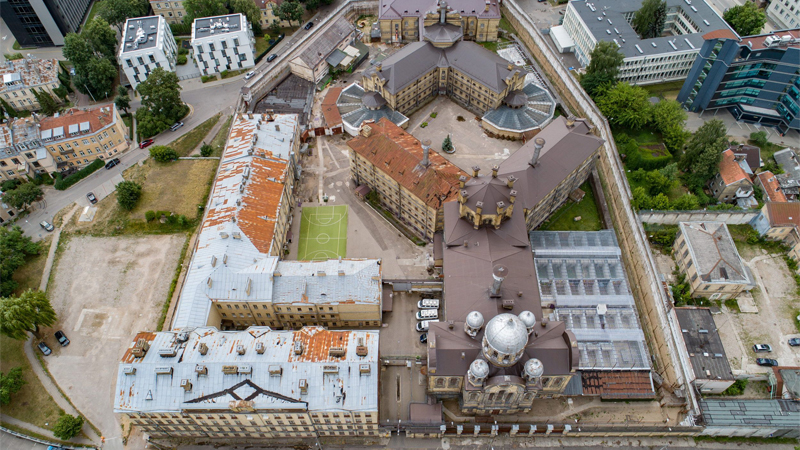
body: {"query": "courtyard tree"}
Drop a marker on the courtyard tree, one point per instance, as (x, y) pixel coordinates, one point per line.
(447, 145)
(14, 248)
(250, 10)
(668, 114)
(746, 19)
(290, 11)
(161, 102)
(649, 20)
(122, 100)
(47, 104)
(92, 54)
(626, 105)
(68, 426)
(603, 68)
(759, 138)
(128, 194)
(23, 195)
(115, 12)
(703, 153)
(101, 38)
(686, 202)
(10, 384)
(203, 8)
(28, 312)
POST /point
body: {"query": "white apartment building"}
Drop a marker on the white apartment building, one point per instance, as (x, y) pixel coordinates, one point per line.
(668, 57)
(785, 13)
(223, 43)
(146, 45)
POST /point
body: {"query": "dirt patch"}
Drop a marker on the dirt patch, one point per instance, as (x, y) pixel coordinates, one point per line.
(656, 150)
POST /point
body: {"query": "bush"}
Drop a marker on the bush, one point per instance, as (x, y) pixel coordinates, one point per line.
(162, 153)
(13, 56)
(423, 125)
(68, 427)
(150, 216)
(64, 183)
(183, 51)
(207, 78)
(224, 74)
(181, 60)
(10, 384)
(460, 118)
(433, 115)
(128, 194)
(9, 185)
(206, 150)
(638, 158)
(179, 29)
(737, 388)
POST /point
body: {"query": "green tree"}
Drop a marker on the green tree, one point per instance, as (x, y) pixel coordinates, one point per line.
(206, 150)
(603, 67)
(447, 144)
(275, 28)
(10, 384)
(122, 100)
(746, 19)
(290, 11)
(660, 203)
(686, 202)
(703, 153)
(626, 105)
(101, 38)
(162, 153)
(668, 114)
(759, 138)
(28, 312)
(14, 248)
(161, 103)
(47, 104)
(115, 12)
(101, 77)
(203, 8)
(640, 199)
(674, 139)
(8, 109)
(649, 20)
(92, 55)
(23, 195)
(250, 10)
(128, 194)
(670, 171)
(68, 427)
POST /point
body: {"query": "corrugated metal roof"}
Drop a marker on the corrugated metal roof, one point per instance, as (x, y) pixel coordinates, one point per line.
(706, 352)
(750, 413)
(334, 382)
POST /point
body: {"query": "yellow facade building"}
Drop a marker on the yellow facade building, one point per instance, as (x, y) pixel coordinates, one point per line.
(403, 21)
(22, 76)
(22, 154)
(172, 11)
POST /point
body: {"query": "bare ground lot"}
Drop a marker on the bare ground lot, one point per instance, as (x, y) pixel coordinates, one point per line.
(104, 290)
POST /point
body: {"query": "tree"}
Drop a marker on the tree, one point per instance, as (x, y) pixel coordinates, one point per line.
(92, 55)
(122, 100)
(47, 105)
(703, 153)
(10, 384)
(206, 150)
(23, 195)
(660, 203)
(28, 312)
(759, 138)
(668, 114)
(203, 8)
(101, 77)
(605, 59)
(162, 153)
(161, 102)
(626, 105)
(128, 193)
(115, 12)
(68, 426)
(275, 28)
(101, 38)
(447, 144)
(14, 248)
(746, 19)
(8, 109)
(674, 139)
(290, 11)
(650, 18)
(640, 199)
(686, 202)
(250, 10)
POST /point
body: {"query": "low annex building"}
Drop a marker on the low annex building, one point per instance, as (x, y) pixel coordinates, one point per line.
(22, 154)
(410, 180)
(256, 383)
(22, 76)
(147, 44)
(403, 21)
(710, 368)
(223, 43)
(311, 63)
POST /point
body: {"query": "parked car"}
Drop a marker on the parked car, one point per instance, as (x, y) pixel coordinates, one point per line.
(424, 325)
(92, 198)
(762, 348)
(766, 362)
(428, 303)
(46, 225)
(249, 75)
(309, 25)
(146, 143)
(53, 447)
(794, 342)
(44, 348)
(62, 338)
(271, 57)
(423, 338)
(175, 126)
(112, 162)
(427, 314)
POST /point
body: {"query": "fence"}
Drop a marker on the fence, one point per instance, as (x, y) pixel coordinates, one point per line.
(40, 441)
(673, 217)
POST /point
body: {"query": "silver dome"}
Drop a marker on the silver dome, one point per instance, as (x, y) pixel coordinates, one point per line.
(528, 318)
(533, 368)
(475, 319)
(505, 339)
(479, 369)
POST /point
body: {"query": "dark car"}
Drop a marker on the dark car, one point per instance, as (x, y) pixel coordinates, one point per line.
(271, 57)
(766, 362)
(46, 225)
(44, 348)
(146, 143)
(309, 25)
(62, 338)
(92, 198)
(423, 338)
(794, 342)
(111, 163)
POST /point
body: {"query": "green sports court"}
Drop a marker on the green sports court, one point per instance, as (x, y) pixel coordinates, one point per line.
(323, 233)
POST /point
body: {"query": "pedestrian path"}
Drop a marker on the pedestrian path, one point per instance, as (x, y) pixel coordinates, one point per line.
(41, 431)
(211, 134)
(48, 265)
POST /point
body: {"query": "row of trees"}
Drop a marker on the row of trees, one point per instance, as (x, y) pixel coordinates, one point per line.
(19, 195)
(93, 55)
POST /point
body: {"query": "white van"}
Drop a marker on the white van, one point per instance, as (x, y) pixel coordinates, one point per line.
(423, 326)
(428, 303)
(427, 314)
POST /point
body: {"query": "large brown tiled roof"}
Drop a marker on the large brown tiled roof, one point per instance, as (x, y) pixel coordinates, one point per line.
(784, 214)
(729, 170)
(329, 110)
(98, 117)
(618, 384)
(398, 154)
(771, 187)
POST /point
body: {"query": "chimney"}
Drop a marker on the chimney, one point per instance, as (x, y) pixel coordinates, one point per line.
(510, 181)
(478, 211)
(426, 149)
(500, 207)
(462, 181)
(570, 121)
(486, 8)
(495, 168)
(499, 273)
(476, 170)
(463, 196)
(512, 196)
(538, 143)
(378, 67)
(366, 131)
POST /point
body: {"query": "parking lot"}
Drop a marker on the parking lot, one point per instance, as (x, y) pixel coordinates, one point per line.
(104, 291)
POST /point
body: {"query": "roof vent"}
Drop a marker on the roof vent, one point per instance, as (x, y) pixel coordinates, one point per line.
(237, 235)
(167, 352)
(203, 348)
(361, 350)
(275, 371)
(129, 370)
(337, 351)
(508, 303)
(330, 369)
(201, 369)
(303, 384)
(163, 370)
(223, 235)
(298, 347)
(363, 369)
(140, 348)
(260, 348)
(240, 349)
(248, 369)
(186, 385)
(230, 370)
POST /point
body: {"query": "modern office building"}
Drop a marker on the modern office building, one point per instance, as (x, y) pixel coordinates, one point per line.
(223, 43)
(43, 23)
(668, 57)
(22, 76)
(784, 13)
(171, 10)
(755, 78)
(22, 154)
(403, 21)
(147, 43)
(256, 384)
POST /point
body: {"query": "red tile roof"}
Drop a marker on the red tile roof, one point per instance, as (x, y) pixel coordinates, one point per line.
(329, 109)
(98, 117)
(784, 214)
(771, 187)
(398, 154)
(723, 33)
(730, 170)
(618, 385)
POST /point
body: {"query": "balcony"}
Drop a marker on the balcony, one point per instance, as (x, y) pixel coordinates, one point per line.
(23, 168)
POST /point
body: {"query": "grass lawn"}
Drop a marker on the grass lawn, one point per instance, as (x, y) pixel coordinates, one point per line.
(506, 25)
(222, 136)
(189, 141)
(644, 136)
(128, 120)
(563, 219)
(29, 276)
(95, 9)
(323, 233)
(261, 45)
(32, 404)
(667, 91)
(768, 150)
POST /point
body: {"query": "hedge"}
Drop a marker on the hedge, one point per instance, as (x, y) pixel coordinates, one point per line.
(638, 158)
(64, 183)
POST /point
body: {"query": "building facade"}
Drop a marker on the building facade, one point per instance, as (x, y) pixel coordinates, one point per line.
(785, 13)
(410, 181)
(779, 221)
(223, 43)
(77, 137)
(311, 64)
(755, 78)
(706, 254)
(22, 154)
(171, 10)
(43, 23)
(732, 184)
(404, 21)
(269, 384)
(268, 16)
(22, 76)
(668, 57)
(147, 44)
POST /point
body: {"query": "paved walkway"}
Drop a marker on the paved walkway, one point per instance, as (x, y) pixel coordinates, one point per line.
(48, 265)
(41, 431)
(212, 133)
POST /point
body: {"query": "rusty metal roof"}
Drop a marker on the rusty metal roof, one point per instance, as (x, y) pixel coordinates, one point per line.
(271, 379)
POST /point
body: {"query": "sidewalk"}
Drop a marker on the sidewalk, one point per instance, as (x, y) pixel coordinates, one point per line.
(48, 265)
(41, 431)
(211, 134)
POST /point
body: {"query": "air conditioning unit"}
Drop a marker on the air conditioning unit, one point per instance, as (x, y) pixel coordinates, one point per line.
(247, 369)
(337, 351)
(168, 352)
(140, 348)
(164, 370)
(186, 385)
(230, 370)
(363, 369)
(201, 369)
(240, 349)
(330, 369)
(260, 348)
(129, 370)
(275, 370)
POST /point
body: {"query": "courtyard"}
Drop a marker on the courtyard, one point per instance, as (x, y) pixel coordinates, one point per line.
(323, 233)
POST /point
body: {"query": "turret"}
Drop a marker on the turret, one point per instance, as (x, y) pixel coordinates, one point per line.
(473, 324)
